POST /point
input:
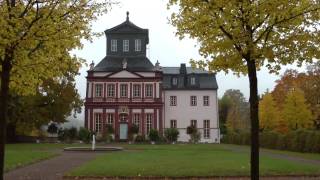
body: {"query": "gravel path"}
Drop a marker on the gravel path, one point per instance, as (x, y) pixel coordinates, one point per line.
(51, 169)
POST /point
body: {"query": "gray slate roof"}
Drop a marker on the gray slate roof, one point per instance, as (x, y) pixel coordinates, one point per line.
(134, 63)
(204, 79)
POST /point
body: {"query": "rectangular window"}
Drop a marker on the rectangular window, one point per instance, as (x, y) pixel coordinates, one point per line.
(193, 80)
(149, 90)
(110, 90)
(136, 90)
(113, 45)
(173, 123)
(193, 100)
(174, 81)
(123, 90)
(136, 120)
(98, 90)
(137, 45)
(110, 119)
(194, 123)
(173, 100)
(98, 122)
(206, 100)
(148, 122)
(206, 129)
(126, 45)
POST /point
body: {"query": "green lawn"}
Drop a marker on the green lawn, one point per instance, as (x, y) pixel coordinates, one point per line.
(17, 155)
(186, 160)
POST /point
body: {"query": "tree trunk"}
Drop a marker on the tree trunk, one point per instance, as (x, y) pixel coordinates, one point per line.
(4, 98)
(254, 106)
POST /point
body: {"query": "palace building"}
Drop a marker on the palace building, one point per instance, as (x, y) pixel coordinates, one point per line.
(125, 88)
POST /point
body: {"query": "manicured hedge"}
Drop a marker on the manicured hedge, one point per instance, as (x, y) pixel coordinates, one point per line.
(300, 140)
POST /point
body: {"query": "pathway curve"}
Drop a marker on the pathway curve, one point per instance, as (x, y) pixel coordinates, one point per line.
(51, 169)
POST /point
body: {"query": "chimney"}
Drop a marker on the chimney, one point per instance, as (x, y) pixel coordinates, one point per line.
(183, 69)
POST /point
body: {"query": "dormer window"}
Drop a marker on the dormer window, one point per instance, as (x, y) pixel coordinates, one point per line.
(193, 80)
(113, 45)
(174, 81)
(126, 45)
(137, 45)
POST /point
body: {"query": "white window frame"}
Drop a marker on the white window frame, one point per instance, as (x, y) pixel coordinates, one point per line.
(173, 123)
(137, 45)
(123, 91)
(173, 100)
(125, 45)
(192, 80)
(110, 90)
(193, 100)
(98, 91)
(98, 122)
(175, 81)
(114, 45)
(206, 101)
(149, 90)
(110, 119)
(136, 90)
(136, 119)
(194, 123)
(149, 118)
(206, 129)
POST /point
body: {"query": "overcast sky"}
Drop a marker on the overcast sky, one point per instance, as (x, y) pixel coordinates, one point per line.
(164, 45)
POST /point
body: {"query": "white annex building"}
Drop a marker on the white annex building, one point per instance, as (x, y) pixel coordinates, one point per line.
(125, 88)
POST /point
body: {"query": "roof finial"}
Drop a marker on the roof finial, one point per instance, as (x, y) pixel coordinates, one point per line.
(127, 15)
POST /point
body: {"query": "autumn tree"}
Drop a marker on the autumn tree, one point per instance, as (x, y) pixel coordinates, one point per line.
(36, 40)
(243, 36)
(296, 112)
(224, 108)
(269, 115)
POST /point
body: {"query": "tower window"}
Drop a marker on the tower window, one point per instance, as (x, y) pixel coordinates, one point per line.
(126, 45)
(193, 100)
(173, 100)
(136, 90)
(174, 81)
(123, 90)
(193, 80)
(137, 44)
(149, 91)
(98, 88)
(113, 45)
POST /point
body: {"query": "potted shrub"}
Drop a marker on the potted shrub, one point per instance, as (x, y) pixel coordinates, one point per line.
(171, 135)
(153, 136)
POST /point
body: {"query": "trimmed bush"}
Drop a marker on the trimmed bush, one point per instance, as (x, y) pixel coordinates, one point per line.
(300, 140)
(153, 135)
(171, 134)
(84, 135)
(139, 139)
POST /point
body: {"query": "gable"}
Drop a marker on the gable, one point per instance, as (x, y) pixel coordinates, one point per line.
(124, 74)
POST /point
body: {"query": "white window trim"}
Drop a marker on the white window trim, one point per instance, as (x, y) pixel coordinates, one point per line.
(175, 81)
(125, 45)
(114, 45)
(136, 93)
(193, 100)
(206, 101)
(121, 90)
(98, 122)
(137, 45)
(192, 80)
(110, 91)
(149, 118)
(173, 123)
(148, 92)
(173, 100)
(206, 129)
(96, 90)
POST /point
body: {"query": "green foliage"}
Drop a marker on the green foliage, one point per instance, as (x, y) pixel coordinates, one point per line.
(139, 139)
(134, 129)
(52, 128)
(84, 135)
(300, 140)
(69, 135)
(109, 129)
(191, 129)
(171, 134)
(153, 135)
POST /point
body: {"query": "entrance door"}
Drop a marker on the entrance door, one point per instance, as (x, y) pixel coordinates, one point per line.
(123, 131)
